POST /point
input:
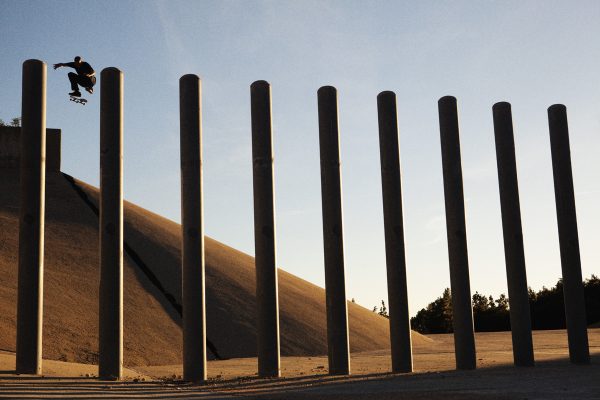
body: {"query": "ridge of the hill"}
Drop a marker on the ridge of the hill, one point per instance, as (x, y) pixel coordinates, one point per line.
(152, 293)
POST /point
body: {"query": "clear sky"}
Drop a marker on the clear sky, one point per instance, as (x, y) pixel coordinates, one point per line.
(530, 53)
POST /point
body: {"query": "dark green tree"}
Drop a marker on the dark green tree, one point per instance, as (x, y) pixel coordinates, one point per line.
(437, 317)
(489, 314)
(15, 122)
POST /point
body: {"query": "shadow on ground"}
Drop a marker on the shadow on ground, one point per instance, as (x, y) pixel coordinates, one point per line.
(556, 379)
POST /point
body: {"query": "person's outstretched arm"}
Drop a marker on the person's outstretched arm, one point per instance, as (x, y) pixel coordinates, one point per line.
(70, 64)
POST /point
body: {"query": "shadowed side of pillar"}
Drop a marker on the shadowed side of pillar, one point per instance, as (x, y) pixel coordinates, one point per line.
(400, 336)
(462, 312)
(110, 358)
(514, 254)
(31, 219)
(338, 349)
(568, 236)
(264, 231)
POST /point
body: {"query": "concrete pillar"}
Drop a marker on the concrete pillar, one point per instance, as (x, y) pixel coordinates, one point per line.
(264, 231)
(514, 254)
(567, 234)
(111, 225)
(391, 177)
(192, 230)
(31, 219)
(462, 311)
(338, 348)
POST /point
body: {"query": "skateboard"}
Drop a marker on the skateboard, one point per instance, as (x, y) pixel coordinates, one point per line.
(78, 100)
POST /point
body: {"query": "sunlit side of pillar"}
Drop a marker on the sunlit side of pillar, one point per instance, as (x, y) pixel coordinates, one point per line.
(192, 230)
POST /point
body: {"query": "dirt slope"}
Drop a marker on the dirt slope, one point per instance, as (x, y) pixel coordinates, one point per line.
(152, 287)
(71, 283)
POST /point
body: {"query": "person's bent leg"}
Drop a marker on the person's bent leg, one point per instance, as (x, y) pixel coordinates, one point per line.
(73, 79)
(88, 83)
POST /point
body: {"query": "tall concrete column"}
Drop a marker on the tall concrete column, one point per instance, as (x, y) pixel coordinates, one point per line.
(567, 234)
(192, 230)
(338, 348)
(264, 231)
(31, 219)
(514, 254)
(462, 311)
(111, 225)
(391, 177)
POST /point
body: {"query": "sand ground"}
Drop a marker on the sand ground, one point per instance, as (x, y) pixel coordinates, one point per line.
(306, 377)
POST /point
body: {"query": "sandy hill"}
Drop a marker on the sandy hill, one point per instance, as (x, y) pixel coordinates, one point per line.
(152, 294)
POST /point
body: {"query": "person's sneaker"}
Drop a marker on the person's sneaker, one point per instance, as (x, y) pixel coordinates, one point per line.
(76, 93)
(90, 90)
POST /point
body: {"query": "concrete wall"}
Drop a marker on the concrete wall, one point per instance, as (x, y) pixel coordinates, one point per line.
(10, 143)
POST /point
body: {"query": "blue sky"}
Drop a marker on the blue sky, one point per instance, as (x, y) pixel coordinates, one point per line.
(530, 53)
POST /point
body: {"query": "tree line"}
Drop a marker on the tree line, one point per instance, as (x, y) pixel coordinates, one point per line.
(489, 314)
(15, 122)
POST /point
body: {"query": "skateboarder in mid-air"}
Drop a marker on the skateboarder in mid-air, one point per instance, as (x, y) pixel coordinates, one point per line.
(84, 77)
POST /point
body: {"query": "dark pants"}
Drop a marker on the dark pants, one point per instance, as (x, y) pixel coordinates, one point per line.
(84, 81)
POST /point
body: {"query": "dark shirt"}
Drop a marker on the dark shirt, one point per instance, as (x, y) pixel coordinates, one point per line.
(84, 68)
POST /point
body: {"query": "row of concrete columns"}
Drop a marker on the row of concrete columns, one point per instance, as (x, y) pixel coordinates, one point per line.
(513, 237)
(31, 230)
(31, 222)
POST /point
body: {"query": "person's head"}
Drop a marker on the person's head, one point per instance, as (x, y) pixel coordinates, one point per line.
(78, 60)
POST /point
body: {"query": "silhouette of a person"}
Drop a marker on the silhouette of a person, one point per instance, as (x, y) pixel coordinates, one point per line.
(85, 76)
